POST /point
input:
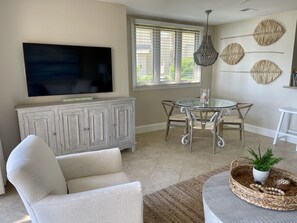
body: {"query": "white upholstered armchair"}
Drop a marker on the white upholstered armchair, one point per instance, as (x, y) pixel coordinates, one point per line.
(84, 187)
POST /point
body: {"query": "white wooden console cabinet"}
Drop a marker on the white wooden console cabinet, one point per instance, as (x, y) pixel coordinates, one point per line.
(71, 127)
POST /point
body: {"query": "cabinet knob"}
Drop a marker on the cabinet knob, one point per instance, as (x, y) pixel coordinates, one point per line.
(54, 133)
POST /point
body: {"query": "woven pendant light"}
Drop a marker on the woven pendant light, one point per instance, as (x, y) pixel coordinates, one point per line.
(206, 55)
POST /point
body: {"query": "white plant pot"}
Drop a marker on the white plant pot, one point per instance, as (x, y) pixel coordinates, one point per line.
(260, 176)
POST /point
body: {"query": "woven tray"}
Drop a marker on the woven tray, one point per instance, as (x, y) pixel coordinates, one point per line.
(241, 177)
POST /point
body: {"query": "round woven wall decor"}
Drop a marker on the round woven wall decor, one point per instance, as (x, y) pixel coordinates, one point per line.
(232, 53)
(265, 71)
(268, 32)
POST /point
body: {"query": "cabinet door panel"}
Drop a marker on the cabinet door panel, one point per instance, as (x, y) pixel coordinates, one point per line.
(98, 127)
(42, 124)
(73, 130)
(78, 127)
(122, 122)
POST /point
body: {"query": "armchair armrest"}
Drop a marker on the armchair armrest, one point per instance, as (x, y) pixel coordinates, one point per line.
(90, 163)
(120, 203)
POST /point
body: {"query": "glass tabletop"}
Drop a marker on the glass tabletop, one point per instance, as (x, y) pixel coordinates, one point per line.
(214, 103)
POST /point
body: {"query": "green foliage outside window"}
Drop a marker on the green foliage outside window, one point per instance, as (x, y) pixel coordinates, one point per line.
(187, 69)
(145, 78)
(186, 72)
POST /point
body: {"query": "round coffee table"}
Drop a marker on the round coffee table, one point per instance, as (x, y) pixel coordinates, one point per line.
(221, 205)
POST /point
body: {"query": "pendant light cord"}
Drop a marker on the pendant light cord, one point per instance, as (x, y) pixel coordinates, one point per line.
(207, 12)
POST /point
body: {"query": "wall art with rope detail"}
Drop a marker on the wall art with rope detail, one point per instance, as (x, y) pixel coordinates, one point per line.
(234, 52)
(266, 33)
(263, 72)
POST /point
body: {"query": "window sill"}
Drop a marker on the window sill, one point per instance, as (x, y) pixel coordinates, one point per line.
(165, 86)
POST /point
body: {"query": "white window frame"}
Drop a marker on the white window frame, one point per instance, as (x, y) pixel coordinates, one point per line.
(161, 24)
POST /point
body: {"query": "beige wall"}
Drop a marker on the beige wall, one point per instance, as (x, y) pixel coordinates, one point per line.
(77, 22)
(267, 99)
(148, 105)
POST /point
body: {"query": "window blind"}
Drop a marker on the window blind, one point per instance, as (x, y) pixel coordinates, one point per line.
(164, 55)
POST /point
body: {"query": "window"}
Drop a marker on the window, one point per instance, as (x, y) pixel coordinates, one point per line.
(163, 54)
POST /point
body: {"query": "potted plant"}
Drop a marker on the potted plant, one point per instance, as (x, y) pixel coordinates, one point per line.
(262, 163)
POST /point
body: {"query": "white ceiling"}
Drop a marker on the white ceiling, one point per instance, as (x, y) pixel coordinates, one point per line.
(224, 11)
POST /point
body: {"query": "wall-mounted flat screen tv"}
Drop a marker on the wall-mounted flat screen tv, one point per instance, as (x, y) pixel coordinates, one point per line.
(64, 69)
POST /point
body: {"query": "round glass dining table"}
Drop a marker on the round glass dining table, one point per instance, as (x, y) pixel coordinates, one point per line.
(214, 105)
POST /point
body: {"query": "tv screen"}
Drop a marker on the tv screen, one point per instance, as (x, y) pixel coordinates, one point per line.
(64, 69)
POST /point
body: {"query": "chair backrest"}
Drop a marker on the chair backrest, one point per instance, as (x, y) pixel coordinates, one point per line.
(203, 117)
(242, 109)
(168, 106)
(34, 171)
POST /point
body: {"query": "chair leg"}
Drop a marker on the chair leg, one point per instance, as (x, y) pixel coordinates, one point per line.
(278, 127)
(167, 131)
(240, 131)
(214, 140)
(243, 134)
(191, 137)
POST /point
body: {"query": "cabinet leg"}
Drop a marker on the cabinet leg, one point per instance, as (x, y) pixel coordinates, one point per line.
(133, 148)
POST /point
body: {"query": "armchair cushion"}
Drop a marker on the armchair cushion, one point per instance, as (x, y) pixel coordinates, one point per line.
(96, 182)
(90, 163)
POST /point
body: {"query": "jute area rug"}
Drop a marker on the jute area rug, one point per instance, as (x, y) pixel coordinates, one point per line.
(179, 203)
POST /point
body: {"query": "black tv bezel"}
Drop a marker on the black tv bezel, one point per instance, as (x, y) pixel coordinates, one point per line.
(66, 92)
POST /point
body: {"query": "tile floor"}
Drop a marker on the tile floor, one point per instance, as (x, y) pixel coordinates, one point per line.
(158, 164)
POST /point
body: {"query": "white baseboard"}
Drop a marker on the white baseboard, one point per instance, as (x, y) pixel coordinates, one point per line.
(250, 128)
(259, 130)
(150, 128)
(267, 132)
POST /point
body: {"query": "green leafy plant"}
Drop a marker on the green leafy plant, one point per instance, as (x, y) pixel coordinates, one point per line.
(263, 162)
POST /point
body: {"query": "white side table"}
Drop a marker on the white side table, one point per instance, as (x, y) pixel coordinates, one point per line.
(221, 205)
(287, 132)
